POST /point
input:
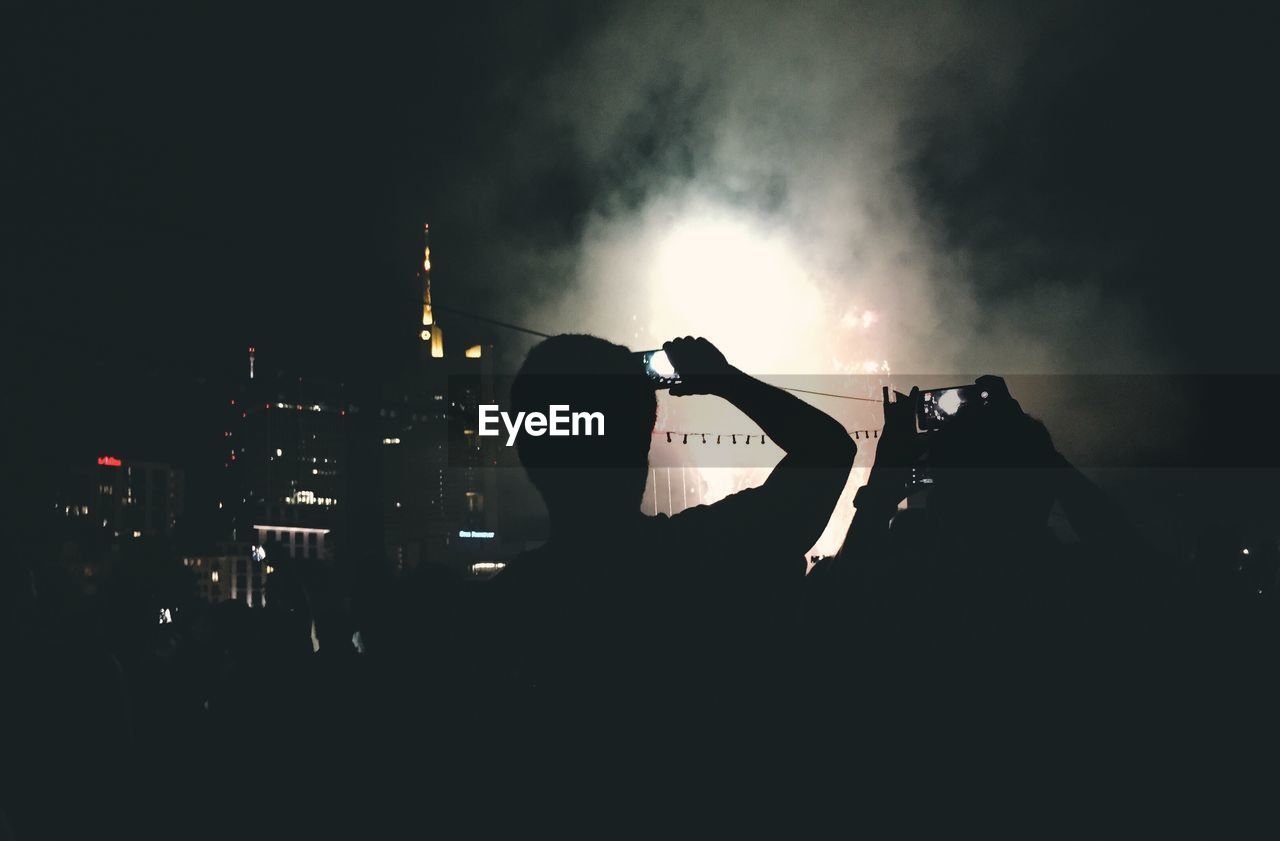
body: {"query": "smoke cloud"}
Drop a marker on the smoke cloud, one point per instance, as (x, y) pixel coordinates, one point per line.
(756, 180)
(765, 175)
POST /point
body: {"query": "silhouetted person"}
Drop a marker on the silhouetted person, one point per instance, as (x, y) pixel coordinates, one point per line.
(976, 592)
(616, 626)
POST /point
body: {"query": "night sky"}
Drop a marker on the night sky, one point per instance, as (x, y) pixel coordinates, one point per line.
(181, 180)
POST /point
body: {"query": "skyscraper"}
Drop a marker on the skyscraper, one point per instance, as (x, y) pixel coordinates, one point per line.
(392, 474)
(438, 497)
(284, 458)
(124, 498)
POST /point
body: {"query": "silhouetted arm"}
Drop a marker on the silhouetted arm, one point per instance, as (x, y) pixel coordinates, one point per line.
(897, 448)
(874, 507)
(794, 504)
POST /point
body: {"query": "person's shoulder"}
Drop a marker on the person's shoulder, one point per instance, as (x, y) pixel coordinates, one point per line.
(737, 507)
(657, 529)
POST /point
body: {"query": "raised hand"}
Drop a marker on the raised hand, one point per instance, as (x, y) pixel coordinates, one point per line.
(700, 364)
(899, 445)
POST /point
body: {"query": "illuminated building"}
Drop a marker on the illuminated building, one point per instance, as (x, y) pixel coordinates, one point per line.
(432, 334)
(293, 542)
(284, 453)
(108, 506)
(228, 573)
(320, 476)
(124, 498)
(241, 570)
(434, 484)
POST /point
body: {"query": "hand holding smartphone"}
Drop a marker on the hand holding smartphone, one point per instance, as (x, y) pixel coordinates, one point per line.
(687, 366)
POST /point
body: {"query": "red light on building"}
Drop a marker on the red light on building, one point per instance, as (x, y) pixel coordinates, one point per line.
(109, 461)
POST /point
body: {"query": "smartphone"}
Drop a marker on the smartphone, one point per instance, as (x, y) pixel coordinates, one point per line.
(658, 368)
(938, 405)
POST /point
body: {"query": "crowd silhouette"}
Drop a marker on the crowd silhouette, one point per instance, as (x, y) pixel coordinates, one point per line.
(635, 665)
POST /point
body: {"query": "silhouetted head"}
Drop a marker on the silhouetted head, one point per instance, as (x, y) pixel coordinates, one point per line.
(588, 474)
(993, 471)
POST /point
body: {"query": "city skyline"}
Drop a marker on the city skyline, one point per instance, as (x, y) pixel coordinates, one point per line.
(1038, 204)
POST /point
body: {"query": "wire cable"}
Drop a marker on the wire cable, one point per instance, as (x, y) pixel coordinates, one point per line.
(532, 332)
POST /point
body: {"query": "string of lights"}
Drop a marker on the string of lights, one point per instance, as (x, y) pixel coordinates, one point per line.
(718, 437)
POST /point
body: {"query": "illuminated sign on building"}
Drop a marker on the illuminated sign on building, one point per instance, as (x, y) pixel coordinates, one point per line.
(109, 461)
(484, 534)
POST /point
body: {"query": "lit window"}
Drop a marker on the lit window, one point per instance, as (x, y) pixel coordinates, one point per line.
(213, 576)
(473, 352)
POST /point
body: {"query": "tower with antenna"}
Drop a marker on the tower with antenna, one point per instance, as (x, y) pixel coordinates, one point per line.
(432, 336)
(436, 483)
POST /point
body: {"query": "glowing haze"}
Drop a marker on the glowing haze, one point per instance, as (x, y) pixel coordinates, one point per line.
(756, 162)
(712, 270)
